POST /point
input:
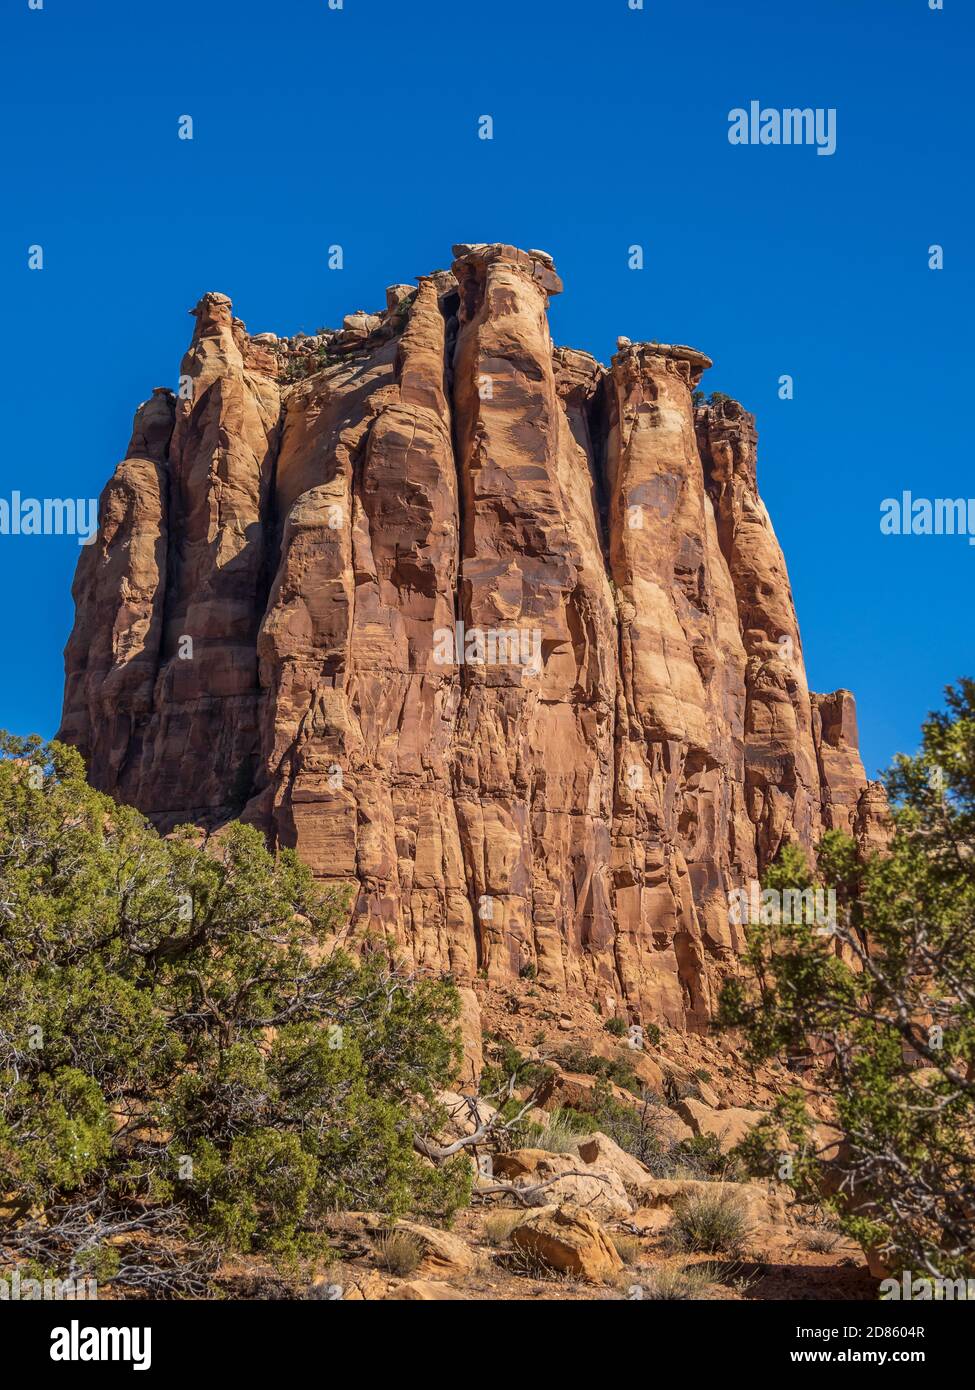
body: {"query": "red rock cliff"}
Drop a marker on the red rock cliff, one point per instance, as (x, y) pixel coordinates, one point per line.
(501, 635)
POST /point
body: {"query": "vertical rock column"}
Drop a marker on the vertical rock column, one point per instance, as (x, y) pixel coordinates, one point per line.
(403, 685)
(576, 818)
(307, 787)
(362, 697)
(679, 727)
(119, 587)
(203, 744)
(781, 767)
(360, 704)
(533, 754)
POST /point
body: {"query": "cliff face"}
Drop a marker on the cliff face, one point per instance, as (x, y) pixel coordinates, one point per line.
(501, 635)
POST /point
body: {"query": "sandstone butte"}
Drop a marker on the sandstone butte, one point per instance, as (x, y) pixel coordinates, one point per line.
(318, 512)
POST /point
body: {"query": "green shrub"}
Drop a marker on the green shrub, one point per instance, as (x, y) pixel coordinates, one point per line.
(616, 1026)
(702, 1155)
(710, 1222)
(179, 1056)
(618, 1070)
(508, 1062)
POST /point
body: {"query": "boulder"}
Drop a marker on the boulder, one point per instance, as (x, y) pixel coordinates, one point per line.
(669, 1126)
(650, 1220)
(569, 1239)
(598, 1151)
(729, 1126)
(369, 1288)
(647, 1070)
(395, 294)
(464, 1115)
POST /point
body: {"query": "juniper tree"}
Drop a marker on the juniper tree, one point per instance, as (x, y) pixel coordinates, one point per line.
(183, 1052)
(885, 1001)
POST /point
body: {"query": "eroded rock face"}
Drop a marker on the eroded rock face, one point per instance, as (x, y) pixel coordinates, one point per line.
(500, 635)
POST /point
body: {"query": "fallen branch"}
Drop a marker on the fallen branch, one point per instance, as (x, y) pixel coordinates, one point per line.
(493, 1125)
(526, 1195)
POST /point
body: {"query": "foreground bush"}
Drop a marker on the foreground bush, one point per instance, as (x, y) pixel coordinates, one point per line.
(182, 1059)
(400, 1253)
(710, 1222)
(884, 998)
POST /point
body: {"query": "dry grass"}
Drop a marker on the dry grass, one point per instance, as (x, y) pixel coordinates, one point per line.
(529, 1265)
(710, 1222)
(399, 1252)
(822, 1241)
(498, 1225)
(730, 1274)
(668, 1284)
(627, 1247)
(558, 1136)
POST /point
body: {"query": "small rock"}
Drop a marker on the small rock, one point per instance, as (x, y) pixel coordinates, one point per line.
(395, 294)
(424, 1291)
(368, 1288)
(599, 1151)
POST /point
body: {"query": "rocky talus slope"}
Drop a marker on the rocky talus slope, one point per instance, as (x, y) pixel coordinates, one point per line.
(499, 634)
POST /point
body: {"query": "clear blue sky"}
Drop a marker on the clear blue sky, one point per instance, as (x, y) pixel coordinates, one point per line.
(359, 126)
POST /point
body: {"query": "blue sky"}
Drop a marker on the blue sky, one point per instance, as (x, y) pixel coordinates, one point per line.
(359, 126)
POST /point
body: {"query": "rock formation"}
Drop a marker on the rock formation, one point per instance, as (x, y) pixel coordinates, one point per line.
(499, 635)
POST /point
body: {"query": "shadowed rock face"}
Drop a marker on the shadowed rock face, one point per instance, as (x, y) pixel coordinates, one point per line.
(502, 635)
